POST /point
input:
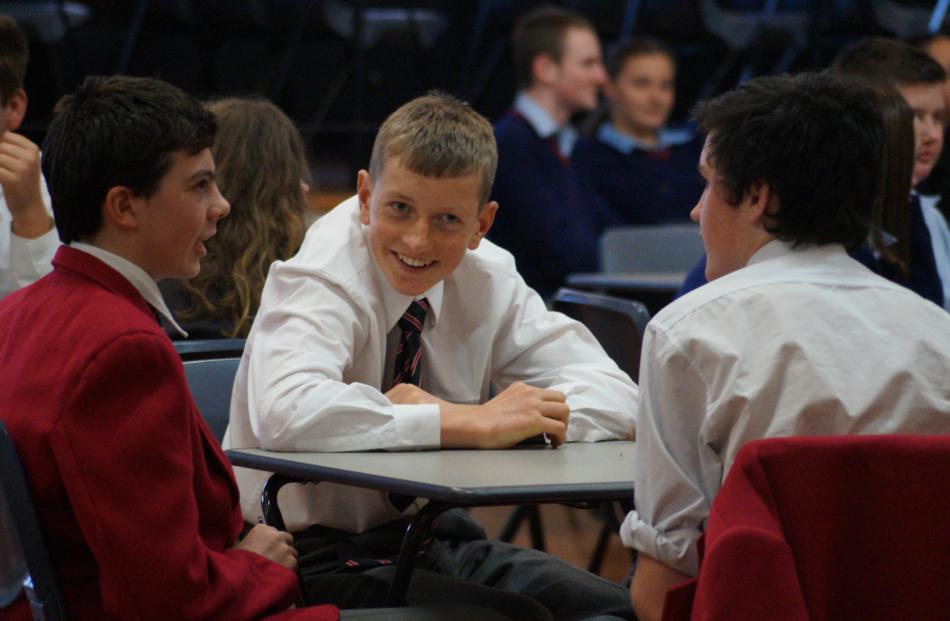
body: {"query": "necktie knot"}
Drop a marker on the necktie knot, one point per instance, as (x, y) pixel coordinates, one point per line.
(407, 369)
(415, 316)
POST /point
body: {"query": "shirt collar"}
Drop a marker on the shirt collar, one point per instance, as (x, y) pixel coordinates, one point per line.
(139, 278)
(610, 135)
(544, 125)
(778, 248)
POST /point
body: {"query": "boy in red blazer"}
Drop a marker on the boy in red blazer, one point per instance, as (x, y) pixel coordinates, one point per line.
(133, 492)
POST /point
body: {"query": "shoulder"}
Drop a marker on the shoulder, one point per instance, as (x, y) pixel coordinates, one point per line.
(487, 264)
(334, 263)
(513, 127)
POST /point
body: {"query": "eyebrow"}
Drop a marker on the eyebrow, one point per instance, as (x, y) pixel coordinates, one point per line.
(201, 173)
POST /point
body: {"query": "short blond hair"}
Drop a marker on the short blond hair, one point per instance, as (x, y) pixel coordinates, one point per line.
(437, 135)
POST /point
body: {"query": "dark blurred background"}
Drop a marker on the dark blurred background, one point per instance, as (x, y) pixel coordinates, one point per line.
(338, 67)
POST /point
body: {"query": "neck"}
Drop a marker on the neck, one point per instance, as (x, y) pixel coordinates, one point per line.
(549, 102)
(119, 246)
(646, 136)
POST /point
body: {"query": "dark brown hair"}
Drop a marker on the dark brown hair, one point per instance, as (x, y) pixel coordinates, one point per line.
(541, 31)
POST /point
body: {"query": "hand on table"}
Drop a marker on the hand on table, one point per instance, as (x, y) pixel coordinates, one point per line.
(274, 545)
(517, 413)
(410, 394)
(20, 178)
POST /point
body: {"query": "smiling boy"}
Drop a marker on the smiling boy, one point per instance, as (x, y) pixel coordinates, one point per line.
(391, 329)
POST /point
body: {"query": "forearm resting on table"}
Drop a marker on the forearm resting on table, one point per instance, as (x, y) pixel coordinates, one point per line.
(517, 413)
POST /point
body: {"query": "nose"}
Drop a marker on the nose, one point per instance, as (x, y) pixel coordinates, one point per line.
(418, 237)
(694, 212)
(601, 75)
(220, 207)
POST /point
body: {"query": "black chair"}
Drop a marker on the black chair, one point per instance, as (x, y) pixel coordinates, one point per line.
(25, 564)
(203, 349)
(618, 325)
(211, 381)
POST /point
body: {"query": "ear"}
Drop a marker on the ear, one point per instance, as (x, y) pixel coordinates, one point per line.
(485, 219)
(760, 203)
(16, 110)
(121, 208)
(364, 191)
(544, 69)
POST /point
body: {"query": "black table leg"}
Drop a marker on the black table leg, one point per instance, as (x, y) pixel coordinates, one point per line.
(419, 526)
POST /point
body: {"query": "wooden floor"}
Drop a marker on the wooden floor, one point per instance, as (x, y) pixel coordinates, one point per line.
(570, 534)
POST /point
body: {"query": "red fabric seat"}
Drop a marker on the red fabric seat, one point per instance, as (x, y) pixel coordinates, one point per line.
(827, 528)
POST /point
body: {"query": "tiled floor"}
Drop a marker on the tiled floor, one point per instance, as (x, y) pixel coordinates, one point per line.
(570, 534)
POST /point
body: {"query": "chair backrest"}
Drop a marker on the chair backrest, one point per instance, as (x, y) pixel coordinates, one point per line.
(25, 562)
(834, 527)
(659, 248)
(616, 323)
(211, 381)
(209, 348)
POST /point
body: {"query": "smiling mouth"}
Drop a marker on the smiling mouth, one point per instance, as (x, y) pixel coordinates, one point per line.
(416, 263)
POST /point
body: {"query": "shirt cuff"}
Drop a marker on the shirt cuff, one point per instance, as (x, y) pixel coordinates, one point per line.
(419, 424)
(30, 259)
(676, 549)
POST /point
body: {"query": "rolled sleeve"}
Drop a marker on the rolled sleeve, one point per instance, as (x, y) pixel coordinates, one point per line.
(676, 548)
(672, 464)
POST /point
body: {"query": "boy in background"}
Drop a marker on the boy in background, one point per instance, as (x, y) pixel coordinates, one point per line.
(28, 239)
(548, 221)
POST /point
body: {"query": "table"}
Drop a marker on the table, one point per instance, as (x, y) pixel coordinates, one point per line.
(574, 473)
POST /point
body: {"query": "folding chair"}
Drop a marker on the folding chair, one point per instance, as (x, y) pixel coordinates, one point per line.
(654, 248)
(618, 325)
(25, 564)
(211, 381)
(823, 528)
(202, 349)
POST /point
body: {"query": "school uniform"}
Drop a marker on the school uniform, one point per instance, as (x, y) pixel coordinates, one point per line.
(642, 184)
(320, 356)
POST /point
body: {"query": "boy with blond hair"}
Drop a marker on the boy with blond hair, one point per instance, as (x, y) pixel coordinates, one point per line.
(391, 329)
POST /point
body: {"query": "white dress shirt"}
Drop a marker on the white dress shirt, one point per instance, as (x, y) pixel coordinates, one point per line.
(312, 374)
(23, 261)
(798, 343)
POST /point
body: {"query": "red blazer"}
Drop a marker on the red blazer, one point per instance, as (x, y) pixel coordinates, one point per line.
(137, 501)
(827, 528)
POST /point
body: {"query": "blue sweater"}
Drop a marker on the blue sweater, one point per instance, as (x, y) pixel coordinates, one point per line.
(642, 186)
(546, 219)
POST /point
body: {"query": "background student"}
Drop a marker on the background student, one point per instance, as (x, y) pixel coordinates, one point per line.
(642, 169)
(27, 236)
(548, 220)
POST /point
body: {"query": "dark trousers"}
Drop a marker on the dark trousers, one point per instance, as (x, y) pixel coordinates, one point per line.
(457, 565)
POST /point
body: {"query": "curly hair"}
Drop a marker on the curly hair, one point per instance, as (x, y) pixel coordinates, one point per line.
(261, 162)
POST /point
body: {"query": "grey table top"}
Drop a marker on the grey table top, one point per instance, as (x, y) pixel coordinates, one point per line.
(629, 281)
(575, 472)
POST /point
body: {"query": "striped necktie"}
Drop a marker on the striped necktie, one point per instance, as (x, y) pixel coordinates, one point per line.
(408, 368)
